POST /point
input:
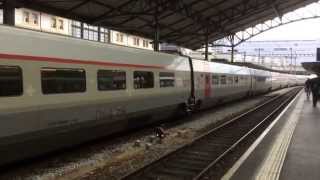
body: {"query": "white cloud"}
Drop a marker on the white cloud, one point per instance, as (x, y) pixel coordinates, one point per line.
(303, 30)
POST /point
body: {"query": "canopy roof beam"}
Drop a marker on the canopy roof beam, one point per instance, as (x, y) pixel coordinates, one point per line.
(178, 20)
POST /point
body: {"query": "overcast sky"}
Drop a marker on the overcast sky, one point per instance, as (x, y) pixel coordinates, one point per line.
(303, 30)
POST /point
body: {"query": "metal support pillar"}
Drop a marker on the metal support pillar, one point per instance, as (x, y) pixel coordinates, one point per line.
(9, 13)
(206, 52)
(244, 56)
(99, 33)
(109, 36)
(232, 53)
(291, 57)
(231, 39)
(156, 40)
(259, 55)
(81, 30)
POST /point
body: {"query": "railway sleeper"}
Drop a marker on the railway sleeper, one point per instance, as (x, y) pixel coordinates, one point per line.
(196, 153)
(151, 176)
(194, 159)
(212, 141)
(205, 149)
(215, 145)
(192, 162)
(197, 157)
(225, 134)
(173, 172)
(223, 140)
(176, 165)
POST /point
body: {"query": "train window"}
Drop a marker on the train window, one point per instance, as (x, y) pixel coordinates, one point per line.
(166, 79)
(10, 81)
(111, 80)
(223, 79)
(143, 79)
(236, 79)
(215, 79)
(55, 81)
(261, 78)
(230, 80)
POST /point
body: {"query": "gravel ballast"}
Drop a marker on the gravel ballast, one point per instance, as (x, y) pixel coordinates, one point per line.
(114, 157)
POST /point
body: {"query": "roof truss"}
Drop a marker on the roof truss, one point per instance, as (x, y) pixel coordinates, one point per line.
(183, 22)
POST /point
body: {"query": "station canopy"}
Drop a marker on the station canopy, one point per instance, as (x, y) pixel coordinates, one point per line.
(187, 23)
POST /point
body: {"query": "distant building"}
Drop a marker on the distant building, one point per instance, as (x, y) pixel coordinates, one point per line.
(92, 33)
(40, 21)
(35, 20)
(124, 39)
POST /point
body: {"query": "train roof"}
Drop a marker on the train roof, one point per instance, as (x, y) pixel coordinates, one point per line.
(206, 66)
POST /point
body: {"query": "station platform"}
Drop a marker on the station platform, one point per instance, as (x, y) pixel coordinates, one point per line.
(288, 150)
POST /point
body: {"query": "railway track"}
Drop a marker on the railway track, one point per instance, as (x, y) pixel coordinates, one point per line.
(197, 158)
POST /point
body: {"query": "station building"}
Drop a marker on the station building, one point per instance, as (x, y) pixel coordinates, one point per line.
(26, 18)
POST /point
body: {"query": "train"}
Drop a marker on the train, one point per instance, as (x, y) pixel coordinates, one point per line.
(58, 91)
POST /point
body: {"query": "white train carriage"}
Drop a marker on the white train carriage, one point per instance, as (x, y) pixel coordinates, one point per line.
(301, 79)
(276, 80)
(216, 83)
(62, 91)
(261, 81)
(58, 91)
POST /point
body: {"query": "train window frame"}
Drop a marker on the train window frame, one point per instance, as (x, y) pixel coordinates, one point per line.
(236, 79)
(242, 80)
(138, 85)
(223, 80)
(229, 79)
(20, 84)
(172, 75)
(261, 78)
(83, 86)
(215, 79)
(112, 71)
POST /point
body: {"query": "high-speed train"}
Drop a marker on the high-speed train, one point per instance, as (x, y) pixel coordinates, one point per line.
(57, 91)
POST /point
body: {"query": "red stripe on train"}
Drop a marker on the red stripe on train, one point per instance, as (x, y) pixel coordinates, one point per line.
(73, 61)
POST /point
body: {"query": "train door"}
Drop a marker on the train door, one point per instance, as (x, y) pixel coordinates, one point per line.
(207, 86)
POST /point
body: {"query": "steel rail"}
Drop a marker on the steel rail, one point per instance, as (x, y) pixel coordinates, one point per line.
(280, 107)
(144, 172)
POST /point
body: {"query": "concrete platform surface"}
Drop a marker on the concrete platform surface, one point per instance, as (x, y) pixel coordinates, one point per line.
(288, 150)
(303, 157)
